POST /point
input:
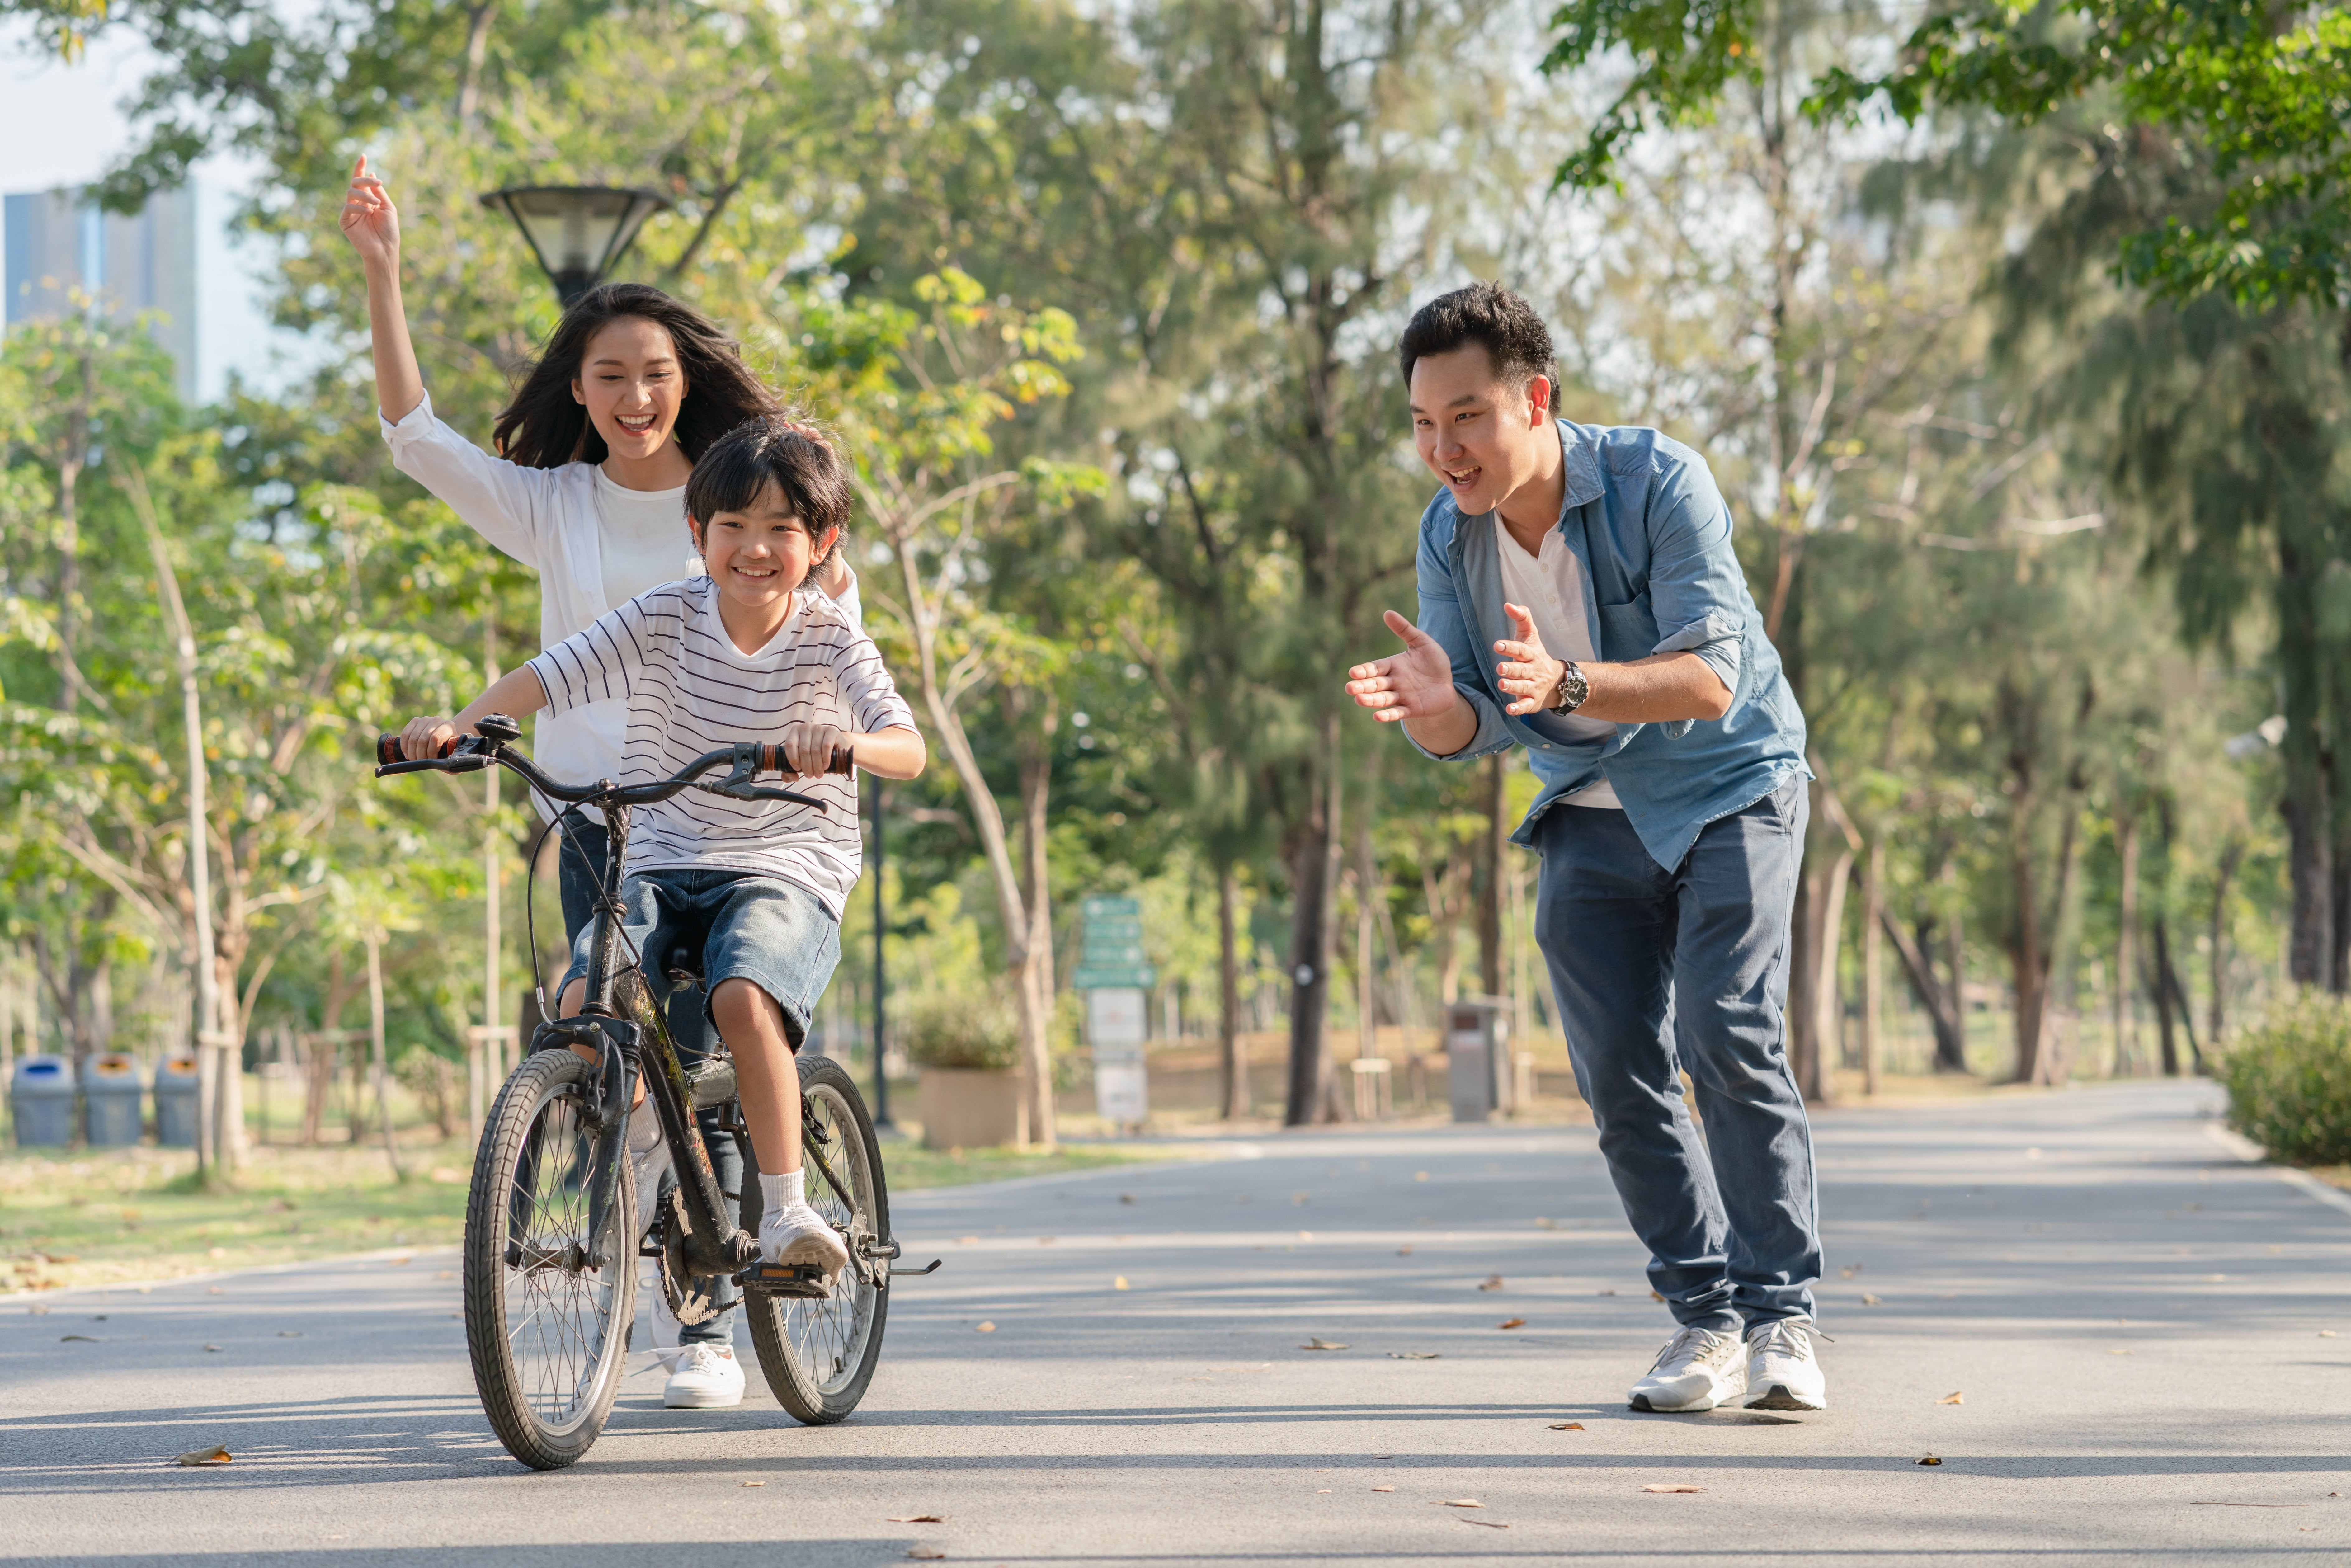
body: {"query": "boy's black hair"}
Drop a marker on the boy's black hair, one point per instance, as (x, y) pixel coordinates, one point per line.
(1513, 334)
(771, 449)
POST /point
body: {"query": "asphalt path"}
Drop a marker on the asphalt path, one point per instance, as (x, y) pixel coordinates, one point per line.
(2148, 1336)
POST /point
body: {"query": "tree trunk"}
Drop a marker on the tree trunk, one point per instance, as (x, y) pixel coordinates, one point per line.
(2218, 1019)
(1313, 882)
(1918, 968)
(376, 1052)
(1036, 751)
(1232, 1055)
(2311, 862)
(2126, 946)
(1951, 1056)
(1873, 962)
(2164, 994)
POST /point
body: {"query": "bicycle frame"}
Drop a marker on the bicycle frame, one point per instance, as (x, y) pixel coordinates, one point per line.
(624, 1045)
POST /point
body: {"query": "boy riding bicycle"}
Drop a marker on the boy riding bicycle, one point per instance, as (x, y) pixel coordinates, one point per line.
(748, 893)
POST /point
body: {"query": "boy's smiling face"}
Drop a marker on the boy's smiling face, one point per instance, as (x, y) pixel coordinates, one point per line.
(760, 555)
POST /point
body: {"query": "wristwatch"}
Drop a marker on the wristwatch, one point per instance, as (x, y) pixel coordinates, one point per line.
(1573, 688)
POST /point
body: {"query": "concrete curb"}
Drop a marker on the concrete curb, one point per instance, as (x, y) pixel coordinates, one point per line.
(2251, 1154)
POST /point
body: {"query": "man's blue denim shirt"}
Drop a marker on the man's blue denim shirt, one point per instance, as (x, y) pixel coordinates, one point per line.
(1645, 521)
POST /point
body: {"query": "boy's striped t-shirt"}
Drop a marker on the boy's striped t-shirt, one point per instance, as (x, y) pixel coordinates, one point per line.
(690, 690)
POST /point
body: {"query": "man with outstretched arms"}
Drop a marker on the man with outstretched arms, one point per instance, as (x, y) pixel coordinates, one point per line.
(1579, 598)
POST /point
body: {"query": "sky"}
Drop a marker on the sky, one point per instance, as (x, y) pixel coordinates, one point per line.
(62, 127)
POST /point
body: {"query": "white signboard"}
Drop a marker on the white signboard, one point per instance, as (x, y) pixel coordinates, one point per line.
(1114, 1017)
(1122, 1091)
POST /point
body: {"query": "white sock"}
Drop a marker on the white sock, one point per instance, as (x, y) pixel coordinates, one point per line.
(777, 1193)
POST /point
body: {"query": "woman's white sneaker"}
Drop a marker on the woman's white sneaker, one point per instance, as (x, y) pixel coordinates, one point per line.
(798, 1234)
(708, 1377)
(1782, 1372)
(1698, 1370)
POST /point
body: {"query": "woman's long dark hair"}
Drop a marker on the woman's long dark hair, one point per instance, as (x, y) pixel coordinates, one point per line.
(546, 427)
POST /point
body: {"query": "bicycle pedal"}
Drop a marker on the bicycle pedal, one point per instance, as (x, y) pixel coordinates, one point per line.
(803, 1281)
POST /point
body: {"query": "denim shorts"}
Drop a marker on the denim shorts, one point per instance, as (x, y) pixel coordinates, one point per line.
(728, 925)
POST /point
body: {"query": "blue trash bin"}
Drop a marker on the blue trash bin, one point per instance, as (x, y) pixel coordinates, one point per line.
(42, 1092)
(113, 1100)
(176, 1081)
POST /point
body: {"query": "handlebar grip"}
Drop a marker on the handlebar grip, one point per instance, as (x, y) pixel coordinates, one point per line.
(388, 749)
(772, 760)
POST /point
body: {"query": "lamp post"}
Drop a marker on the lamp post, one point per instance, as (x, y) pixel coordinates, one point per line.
(577, 231)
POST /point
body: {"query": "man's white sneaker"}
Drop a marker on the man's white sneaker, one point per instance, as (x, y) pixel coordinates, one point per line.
(1698, 1370)
(708, 1377)
(1782, 1373)
(798, 1234)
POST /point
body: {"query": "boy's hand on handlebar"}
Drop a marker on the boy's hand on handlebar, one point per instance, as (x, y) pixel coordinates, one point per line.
(427, 736)
(369, 221)
(808, 749)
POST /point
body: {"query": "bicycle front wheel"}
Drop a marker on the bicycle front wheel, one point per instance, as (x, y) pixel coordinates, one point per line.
(820, 1354)
(549, 1270)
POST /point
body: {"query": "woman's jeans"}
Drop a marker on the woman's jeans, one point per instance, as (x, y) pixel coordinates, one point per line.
(1660, 972)
(583, 851)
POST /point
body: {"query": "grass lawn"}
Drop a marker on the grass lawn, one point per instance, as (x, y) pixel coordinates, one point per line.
(95, 1217)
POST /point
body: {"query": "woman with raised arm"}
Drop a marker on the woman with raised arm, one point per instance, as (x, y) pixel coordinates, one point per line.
(587, 487)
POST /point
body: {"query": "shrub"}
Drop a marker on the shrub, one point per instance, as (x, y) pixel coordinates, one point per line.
(971, 1031)
(2290, 1080)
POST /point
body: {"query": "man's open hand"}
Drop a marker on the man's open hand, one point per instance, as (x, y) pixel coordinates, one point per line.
(1416, 684)
(1527, 676)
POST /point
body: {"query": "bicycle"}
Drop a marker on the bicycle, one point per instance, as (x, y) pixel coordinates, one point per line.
(552, 1236)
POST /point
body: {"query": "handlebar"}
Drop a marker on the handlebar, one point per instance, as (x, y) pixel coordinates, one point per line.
(471, 753)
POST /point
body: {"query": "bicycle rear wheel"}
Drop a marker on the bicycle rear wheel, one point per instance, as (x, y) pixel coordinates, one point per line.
(819, 1354)
(549, 1275)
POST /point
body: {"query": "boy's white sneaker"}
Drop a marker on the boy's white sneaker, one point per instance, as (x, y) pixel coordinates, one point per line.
(708, 1377)
(648, 1160)
(1782, 1372)
(798, 1234)
(1698, 1370)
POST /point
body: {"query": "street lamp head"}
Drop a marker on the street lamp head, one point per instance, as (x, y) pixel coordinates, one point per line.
(577, 231)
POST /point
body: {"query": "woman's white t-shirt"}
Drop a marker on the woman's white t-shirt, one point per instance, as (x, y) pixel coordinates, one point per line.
(595, 545)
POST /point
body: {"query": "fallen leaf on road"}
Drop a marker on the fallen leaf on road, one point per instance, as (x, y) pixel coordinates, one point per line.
(213, 1290)
(211, 1348)
(1404, 1251)
(1543, 1223)
(1511, 1323)
(1488, 1523)
(1306, 1235)
(1420, 1176)
(1459, 1502)
(1869, 1301)
(918, 1519)
(86, 1339)
(217, 1454)
(1491, 1283)
(1321, 1491)
(926, 1554)
(1047, 1240)
(1653, 1296)
(985, 1328)
(755, 1483)
(1383, 1488)
(1607, 1292)
(2214, 1279)
(1850, 1269)
(1956, 1396)
(1660, 1488)
(1126, 1197)
(289, 1334)
(397, 1262)
(1118, 1282)
(2326, 1333)
(1413, 1355)
(1567, 1425)
(2249, 1505)
(1320, 1344)
(1930, 1459)
(447, 1274)
(966, 1240)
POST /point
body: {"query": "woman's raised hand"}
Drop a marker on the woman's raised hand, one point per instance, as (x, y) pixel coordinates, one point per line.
(370, 220)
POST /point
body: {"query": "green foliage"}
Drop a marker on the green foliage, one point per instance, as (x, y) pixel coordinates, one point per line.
(978, 1029)
(2289, 1080)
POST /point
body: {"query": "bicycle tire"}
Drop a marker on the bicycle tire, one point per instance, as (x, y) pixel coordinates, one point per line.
(547, 1394)
(818, 1355)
